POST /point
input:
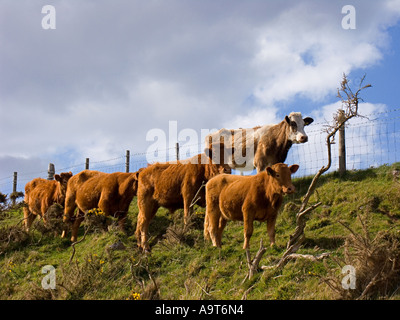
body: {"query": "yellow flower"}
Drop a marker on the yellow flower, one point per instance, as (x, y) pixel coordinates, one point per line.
(135, 296)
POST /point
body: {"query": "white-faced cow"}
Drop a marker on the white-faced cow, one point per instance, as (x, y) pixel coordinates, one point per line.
(264, 145)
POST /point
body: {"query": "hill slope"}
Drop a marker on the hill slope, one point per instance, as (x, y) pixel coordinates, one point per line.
(107, 265)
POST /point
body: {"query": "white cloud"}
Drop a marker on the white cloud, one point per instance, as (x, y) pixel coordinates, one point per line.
(110, 73)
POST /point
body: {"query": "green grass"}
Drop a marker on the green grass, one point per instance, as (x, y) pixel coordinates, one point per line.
(190, 268)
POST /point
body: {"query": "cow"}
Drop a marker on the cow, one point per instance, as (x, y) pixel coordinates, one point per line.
(246, 198)
(112, 193)
(174, 186)
(40, 194)
(262, 146)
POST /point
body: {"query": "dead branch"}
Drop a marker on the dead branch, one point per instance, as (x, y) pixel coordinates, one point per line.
(75, 243)
(244, 297)
(196, 198)
(252, 264)
(350, 101)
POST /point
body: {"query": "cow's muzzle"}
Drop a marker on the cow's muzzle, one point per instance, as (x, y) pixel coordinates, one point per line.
(289, 190)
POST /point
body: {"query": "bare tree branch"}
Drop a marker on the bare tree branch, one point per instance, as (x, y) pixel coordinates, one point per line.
(350, 101)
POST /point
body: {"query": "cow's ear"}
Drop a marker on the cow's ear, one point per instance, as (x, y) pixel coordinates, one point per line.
(287, 119)
(57, 177)
(271, 171)
(308, 121)
(293, 168)
(136, 175)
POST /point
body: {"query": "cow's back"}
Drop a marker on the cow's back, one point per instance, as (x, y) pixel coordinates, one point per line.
(89, 190)
(41, 195)
(30, 186)
(232, 192)
(165, 182)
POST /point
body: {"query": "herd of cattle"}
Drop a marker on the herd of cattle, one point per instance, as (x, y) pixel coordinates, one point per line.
(179, 184)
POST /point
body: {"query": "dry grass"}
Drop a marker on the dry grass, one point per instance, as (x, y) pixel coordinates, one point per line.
(376, 261)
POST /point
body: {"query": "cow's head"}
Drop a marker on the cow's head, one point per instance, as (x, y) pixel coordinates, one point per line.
(62, 180)
(296, 126)
(281, 174)
(219, 154)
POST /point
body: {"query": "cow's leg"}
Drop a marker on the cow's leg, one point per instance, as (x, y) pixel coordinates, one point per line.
(107, 208)
(213, 228)
(29, 217)
(271, 229)
(146, 213)
(221, 227)
(260, 159)
(123, 209)
(187, 209)
(43, 210)
(121, 220)
(248, 230)
(211, 221)
(69, 210)
(80, 216)
(206, 225)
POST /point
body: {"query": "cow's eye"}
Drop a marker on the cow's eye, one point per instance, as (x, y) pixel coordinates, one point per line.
(293, 125)
(277, 175)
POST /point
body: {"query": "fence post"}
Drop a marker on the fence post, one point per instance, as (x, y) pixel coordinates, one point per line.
(342, 146)
(87, 164)
(127, 161)
(50, 172)
(14, 198)
(177, 151)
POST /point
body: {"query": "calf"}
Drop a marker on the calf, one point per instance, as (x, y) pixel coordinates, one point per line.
(262, 146)
(246, 198)
(40, 194)
(174, 186)
(110, 192)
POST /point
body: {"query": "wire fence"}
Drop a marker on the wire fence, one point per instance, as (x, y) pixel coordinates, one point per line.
(371, 141)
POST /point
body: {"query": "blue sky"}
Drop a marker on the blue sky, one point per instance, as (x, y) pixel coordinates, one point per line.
(112, 71)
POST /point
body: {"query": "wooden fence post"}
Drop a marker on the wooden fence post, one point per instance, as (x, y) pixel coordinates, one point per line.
(342, 145)
(87, 164)
(127, 161)
(50, 172)
(177, 151)
(14, 188)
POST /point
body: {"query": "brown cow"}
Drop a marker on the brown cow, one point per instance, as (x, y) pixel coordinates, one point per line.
(40, 194)
(110, 192)
(174, 186)
(246, 198)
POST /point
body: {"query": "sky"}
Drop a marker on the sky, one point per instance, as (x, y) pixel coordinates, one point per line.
(113, 71)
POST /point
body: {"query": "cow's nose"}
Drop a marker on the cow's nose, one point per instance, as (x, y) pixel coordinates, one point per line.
(290, 189)
(303, 139)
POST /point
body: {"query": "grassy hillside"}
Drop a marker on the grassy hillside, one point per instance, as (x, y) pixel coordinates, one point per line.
(183, 266)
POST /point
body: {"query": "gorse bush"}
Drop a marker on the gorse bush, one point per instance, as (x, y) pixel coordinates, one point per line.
(376, 262)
